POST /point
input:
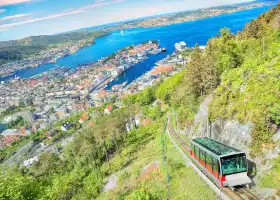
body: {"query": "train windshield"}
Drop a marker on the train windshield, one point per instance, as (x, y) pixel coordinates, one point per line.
(234, 164)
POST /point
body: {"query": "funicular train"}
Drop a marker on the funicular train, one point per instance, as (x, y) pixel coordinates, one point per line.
(227, 166)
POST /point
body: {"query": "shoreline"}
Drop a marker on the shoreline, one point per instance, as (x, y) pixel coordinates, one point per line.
(226, 12)
(54, 60)
(109, 33)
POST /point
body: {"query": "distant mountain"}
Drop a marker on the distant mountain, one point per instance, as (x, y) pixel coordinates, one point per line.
(20, 49)
(47, 40)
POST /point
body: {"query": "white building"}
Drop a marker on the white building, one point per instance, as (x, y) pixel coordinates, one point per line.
(30, 161)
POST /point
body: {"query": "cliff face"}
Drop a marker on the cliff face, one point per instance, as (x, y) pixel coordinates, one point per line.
(230, 132)
(238, 135)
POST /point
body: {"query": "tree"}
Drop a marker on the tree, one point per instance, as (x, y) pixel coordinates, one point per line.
(15, 186)
(195, 68)
(146, 97)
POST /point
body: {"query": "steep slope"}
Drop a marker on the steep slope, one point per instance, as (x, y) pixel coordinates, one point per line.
(233, 86)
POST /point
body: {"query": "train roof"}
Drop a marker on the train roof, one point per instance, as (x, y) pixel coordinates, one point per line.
(215, 147)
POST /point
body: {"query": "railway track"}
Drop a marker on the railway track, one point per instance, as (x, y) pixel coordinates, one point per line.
(238, 194)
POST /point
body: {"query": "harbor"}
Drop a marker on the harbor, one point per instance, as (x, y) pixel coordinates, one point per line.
(166, 35)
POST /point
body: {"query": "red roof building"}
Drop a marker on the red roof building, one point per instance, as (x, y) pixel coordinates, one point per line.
(83, 118)
(161, 69)
(108, 109)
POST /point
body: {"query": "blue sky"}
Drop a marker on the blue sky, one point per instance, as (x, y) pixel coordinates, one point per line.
(22, 18)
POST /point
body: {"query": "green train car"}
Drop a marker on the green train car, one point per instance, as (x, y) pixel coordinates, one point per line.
(224, 164)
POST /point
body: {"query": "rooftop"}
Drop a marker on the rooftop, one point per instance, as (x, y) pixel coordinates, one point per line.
(215, 147)
(9, 132)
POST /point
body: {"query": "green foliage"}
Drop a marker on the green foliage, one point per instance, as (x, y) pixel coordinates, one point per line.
(146, 97)
(14, 186)
(153, 112)
(143, 98)
(168, 87)
(143, 146)
(274, 114)
(250, 93)
(272, 178)
(92, 186)
(65, 186)
(140, 194)
(19, 122)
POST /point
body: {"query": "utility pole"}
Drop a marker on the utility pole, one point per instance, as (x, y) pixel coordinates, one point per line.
(164, 159)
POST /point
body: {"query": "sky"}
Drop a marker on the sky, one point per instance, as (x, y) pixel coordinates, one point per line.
(22, 18)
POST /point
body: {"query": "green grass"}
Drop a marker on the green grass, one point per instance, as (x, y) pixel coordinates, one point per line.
(144, 147)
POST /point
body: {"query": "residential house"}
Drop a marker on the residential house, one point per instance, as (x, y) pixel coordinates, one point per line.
(84, 118)
(66, 126)
(108, 110)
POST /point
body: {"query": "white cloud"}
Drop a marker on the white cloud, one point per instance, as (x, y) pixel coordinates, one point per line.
(64, 13)
(15, 17)
(10, 2)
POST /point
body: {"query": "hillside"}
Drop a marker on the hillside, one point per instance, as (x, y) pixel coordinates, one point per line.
(235, 82)
(47, 40)
(16, 50)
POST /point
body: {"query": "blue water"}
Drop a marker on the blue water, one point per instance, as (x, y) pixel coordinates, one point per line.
(193, 32)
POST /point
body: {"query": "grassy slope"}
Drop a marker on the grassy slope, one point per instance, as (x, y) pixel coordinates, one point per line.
(144, 147)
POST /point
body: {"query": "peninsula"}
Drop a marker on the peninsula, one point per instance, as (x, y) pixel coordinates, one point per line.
(185, 16)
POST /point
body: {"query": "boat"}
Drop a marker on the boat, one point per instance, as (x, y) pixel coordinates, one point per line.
(163, 49)
(180, 46)
(156, 51)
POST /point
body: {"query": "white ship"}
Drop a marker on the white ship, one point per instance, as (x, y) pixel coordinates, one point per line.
(180, 46)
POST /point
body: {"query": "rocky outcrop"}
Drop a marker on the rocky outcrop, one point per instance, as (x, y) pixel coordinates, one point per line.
(235, 134)
(230, 132)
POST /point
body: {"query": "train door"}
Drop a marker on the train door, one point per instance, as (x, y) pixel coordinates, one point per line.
(196, 152)
(215, 167)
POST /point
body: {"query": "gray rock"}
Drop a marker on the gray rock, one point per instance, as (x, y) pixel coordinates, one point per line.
(276, 137)
(111, 183)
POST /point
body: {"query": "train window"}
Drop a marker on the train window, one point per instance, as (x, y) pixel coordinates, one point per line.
(196, 151)
(234, 164)
(202, 156)
(209, 161)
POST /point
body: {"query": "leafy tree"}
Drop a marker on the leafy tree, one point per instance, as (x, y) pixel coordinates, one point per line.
(15, 186)
(141, 194)
(275, 114)
(167, 88)
(195, 67)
